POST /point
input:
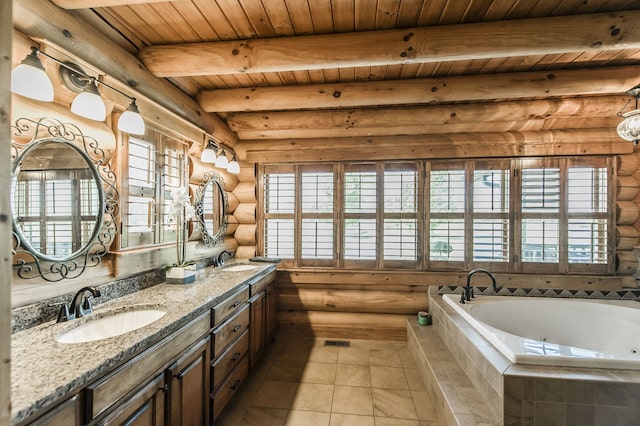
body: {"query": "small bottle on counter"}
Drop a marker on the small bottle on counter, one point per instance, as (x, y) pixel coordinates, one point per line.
(424, 318)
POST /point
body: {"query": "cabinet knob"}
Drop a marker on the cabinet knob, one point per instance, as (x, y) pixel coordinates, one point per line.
(236, 304)
(165, 388)
(235, 385)
(235, 356)
(237, 327)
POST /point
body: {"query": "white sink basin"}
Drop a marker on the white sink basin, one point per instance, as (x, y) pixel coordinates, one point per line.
(238, 268)
(110, 326)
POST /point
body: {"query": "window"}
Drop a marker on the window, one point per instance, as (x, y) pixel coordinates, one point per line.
(155, 165)
(549, 215)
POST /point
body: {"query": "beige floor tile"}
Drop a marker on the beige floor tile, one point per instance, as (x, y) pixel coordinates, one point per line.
(388, 421)
(393, 403)
(258, 416)
(424, 406)
(285, 371)
(324, 354)
(354, 355)
(385, 357)
(352, 400)
(414, 379)
(274, 395)
(313, 397)
(338, 419)
(388, 378)
(319, 372)
(307, 418)
(353, 375)
(406, 358)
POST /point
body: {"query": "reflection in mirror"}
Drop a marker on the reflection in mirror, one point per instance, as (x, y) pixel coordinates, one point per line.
(211, 209)
(63, 200)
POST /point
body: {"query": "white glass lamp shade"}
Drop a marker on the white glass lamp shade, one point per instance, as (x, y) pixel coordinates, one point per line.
(222, 161)
(208, 155)
(233, 166)
(629, 127)
(89, 103)
(131, 121)
(30, 79)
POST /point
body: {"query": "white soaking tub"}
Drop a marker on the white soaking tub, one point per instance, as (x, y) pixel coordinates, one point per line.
(561, 332)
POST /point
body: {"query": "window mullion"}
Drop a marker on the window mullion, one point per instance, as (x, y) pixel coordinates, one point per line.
(338, 215)
(468, 215)
(515, 216)
(297, 226)
(563, 243)
(379, 215)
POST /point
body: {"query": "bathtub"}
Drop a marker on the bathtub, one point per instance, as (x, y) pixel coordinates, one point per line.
(560, 332)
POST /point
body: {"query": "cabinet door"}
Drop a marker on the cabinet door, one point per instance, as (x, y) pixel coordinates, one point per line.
(271, 314)
(256, 327)
(190, 386)
(66, 413)
(145, 408)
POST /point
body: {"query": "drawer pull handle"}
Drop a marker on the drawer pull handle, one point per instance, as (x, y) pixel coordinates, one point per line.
(235, 356)
(235, 385)
(165, 388)
(236, 328)
(235, 305)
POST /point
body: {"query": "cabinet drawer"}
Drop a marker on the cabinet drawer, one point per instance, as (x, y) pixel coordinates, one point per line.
(229, 387)
(108, 390)
(262, 283)
(230, 330)
(223, 310)
(222, 366)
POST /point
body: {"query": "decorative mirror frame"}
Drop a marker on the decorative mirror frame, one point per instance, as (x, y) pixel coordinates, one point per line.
(211, 178)
(33, 264)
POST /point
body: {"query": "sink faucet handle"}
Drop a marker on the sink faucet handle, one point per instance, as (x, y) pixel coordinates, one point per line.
(64, 314)
(86, 306)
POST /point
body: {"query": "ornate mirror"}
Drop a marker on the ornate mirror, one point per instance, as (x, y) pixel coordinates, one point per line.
(211, 209)
(63, 200)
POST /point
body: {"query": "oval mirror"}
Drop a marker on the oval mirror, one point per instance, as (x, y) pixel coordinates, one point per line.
(56, 199)
(211, 209)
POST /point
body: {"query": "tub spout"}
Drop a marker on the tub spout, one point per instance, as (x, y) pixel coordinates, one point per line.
(467, 294)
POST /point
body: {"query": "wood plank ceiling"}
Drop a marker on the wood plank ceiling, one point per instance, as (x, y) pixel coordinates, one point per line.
(283, 70)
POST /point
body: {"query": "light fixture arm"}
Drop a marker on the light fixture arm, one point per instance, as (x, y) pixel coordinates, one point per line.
(36, 50)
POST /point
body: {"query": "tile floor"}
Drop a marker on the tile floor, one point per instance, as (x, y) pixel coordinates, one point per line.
(302, 382)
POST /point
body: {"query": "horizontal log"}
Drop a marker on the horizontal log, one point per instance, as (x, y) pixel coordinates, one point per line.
(482, 87)
(322, 279)
(245, 192)
(332, 300)
(627, 187)
(627, 237)
(230, 180)
(233, 203)
(245, 213)
(247, 172)
(626, 262)
(230, 244)
(345, 325)
(245, 252)
(85, 4)
(627, 165)
(483, 40)
(627, 212)
(44, 20)
(232, 225)
(401, 117)
(245, 234)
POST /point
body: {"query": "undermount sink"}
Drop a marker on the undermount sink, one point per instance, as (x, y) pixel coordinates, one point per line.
(239, 268)
(110, 326)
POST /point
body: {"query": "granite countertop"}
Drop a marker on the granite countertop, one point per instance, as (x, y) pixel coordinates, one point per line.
(43, 370)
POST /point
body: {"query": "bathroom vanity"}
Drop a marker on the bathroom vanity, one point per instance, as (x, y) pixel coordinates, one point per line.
(181, 369)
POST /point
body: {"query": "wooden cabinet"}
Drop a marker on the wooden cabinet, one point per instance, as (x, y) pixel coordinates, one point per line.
(190, 386)
(66, 413)
(147, 407)
(264, 320)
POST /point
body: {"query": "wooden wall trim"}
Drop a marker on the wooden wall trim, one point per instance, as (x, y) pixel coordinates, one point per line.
(5, 212)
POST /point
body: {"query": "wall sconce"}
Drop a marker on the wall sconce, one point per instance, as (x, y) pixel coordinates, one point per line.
(30, 79)
(210, 155)
(629, 127)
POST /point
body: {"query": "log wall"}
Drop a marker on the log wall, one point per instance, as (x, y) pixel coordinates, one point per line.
(627, 213)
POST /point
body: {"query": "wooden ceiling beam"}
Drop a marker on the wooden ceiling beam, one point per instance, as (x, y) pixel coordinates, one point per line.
(500, 39)
(85, 4)
(470, 145)
(401, 117)
(482, 87)
(44, 20)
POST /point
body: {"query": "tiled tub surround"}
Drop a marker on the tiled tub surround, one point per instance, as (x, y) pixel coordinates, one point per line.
(517, 393)
(43, 370)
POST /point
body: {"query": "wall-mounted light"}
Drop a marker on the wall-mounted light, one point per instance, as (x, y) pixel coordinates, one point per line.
(209, 154)
(629, 127)
(234, 166)
(222, 161)
(30, 79)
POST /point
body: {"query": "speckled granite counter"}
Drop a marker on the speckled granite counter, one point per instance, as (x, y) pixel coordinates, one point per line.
(43, 370)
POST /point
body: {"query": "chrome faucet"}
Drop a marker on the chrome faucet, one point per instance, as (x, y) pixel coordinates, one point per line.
(221, 257)
(80, 305)
(467, 295)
